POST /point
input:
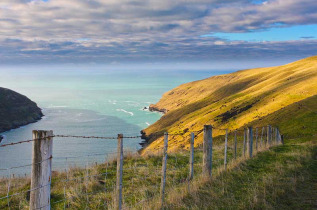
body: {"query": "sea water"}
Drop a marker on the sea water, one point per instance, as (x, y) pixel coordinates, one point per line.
(89, 101)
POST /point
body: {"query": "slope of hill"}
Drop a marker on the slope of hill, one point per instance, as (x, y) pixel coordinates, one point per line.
(16, 110)
(231, 101)
(277, 178)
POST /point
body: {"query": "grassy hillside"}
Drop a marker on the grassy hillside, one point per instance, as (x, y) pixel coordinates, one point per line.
(279, 178)
(282, 178)
(16, 110)
(233, 101)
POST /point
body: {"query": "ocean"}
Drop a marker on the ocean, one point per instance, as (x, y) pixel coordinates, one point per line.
(86, 100)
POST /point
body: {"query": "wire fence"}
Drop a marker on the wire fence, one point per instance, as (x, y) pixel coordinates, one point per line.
(126, 180)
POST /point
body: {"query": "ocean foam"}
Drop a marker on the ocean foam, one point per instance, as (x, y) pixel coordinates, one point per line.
(125, 111)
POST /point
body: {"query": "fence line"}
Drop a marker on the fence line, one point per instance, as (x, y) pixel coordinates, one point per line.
(226, 148)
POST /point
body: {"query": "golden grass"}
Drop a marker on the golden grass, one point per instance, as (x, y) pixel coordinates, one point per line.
(266, 90)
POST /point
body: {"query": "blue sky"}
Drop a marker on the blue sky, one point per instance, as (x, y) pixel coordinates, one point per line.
(292, 33)
(219, 32)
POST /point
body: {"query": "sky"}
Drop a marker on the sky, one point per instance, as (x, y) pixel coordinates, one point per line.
(219, 32)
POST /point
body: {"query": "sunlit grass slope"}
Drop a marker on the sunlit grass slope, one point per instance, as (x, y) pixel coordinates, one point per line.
(282, 178)
(279, 178)
(233, 101)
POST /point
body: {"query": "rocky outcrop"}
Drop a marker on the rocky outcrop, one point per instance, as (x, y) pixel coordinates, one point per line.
(16, 110)
(154, 108)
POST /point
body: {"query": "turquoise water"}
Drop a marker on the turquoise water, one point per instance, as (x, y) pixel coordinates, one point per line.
(86, 101)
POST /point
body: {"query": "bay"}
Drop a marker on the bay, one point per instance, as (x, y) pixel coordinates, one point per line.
(90, 101)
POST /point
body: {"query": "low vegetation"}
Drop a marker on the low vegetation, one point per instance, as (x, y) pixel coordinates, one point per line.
(284, 175)
(16, 110)
(248, 97)
(281, 177)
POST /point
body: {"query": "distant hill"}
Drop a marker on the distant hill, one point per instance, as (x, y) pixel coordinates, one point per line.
(16, 110)
(235, 100)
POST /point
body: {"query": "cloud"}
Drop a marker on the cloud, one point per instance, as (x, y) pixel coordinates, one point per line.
(136, 29)
(308, 37)
(250, 17)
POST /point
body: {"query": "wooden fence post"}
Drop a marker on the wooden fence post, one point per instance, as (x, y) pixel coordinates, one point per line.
(235, 144)
(226, 148)
(250, 140)
(262, 136)
(244, 142)
(207, 150)
(256, 139)
(269, 135)
(282, 139)
(191, 156)
(164, 163)
(277, 135)
(40, 192)
(119, 172)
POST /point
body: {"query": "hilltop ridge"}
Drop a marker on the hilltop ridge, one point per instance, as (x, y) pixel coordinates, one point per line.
(231, 100)
(16, 110)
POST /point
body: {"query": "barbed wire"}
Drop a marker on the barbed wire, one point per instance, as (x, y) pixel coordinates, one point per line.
(174, 168)
(15, 167)
(84, 137)
(177, 133)
(83, 177)
(69, 136)
(20, 193)
(90, 155)
(26, 141)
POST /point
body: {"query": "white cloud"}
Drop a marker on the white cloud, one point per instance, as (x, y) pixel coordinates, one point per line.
(141, 26)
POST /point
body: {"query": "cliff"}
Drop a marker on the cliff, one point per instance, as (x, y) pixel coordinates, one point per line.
(16, 110)
(232, 101)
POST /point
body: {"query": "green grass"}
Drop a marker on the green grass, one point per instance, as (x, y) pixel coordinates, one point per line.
(281, 178)
(141, 180)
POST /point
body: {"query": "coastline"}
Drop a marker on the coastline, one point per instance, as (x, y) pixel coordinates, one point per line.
(16, 126)
(145, 138)
(17, 110)
(154, 108)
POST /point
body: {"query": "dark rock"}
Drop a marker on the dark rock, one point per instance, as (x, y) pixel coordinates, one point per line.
(153, 108)
(224, 117)
(16, 110)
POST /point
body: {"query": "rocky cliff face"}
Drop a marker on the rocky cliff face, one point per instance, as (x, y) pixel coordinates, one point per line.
(16, 110)
(154, 108)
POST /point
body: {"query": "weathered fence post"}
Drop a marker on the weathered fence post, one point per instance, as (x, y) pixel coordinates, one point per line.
(40, 191)
(191, 156)
(207, 149)
(164, 163)
(277, 135)
(235, 144)
(272, 135)
(256, 139)
(250, 140)
(269, 135)
(119, 172)
(226, 148)
(244, 141)
(262, 136)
